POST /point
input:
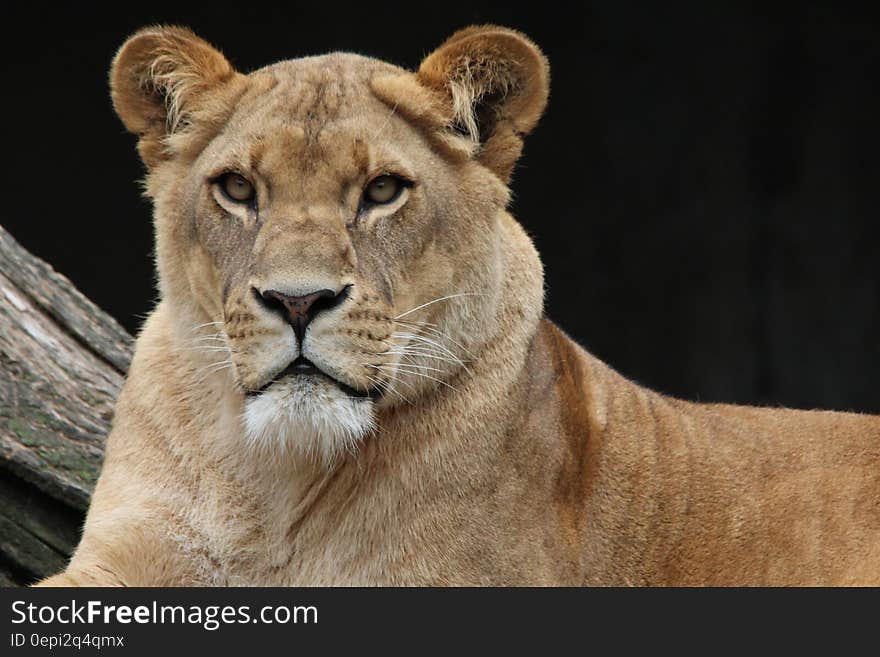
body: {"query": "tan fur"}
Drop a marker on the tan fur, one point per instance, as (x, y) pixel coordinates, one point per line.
(532, 463)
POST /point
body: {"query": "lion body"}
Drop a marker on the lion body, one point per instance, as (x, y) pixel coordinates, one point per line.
(594, 480)
(533, 463)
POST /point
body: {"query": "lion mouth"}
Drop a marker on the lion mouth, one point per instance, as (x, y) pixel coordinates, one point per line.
(302, 366)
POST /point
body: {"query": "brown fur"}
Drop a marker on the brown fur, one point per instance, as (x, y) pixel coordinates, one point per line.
(533, 463)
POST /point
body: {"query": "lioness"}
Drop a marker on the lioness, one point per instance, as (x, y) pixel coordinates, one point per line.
(349, 378)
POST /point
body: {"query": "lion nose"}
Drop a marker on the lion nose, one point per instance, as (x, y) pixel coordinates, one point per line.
(300, 310)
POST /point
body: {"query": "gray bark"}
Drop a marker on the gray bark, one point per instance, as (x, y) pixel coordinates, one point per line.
(62, 364)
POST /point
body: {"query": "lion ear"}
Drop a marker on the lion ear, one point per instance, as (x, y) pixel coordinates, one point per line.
(494, 83)
(166, 81)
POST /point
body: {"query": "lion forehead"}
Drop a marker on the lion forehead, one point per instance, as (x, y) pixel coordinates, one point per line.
(314, 91)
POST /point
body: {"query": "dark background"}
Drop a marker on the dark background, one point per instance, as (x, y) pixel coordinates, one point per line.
(702, 187)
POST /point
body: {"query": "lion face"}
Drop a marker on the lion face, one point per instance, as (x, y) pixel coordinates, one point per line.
(326, 227)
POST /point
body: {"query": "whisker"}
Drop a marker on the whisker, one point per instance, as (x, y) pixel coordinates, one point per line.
(205, 372)
(427, 326)
(200, 326)
(421, 322)
(216, 337)
(417, 354)
(393, 379)
(450, 296)
(217, 367)
(421, 338)
(418, 367)
(428, 341)
(415, 347)
(424, 376)
(386, 386)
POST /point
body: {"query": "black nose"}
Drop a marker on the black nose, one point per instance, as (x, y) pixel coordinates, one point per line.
(298, 311)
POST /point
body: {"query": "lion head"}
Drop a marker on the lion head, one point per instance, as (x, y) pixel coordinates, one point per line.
(327, 227)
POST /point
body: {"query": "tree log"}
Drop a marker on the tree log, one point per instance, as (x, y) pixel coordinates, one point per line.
(62, 364)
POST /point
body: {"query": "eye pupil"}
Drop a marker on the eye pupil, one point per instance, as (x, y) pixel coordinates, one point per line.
(237, 188)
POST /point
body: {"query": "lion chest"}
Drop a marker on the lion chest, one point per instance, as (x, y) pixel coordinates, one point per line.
(296, 537)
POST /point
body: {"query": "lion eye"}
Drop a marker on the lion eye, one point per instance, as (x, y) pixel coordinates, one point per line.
(383, 190)
(237, 188)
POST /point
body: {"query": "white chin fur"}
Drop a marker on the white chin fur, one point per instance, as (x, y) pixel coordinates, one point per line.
(312, 418)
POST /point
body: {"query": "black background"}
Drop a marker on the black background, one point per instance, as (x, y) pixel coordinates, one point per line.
(702, 187)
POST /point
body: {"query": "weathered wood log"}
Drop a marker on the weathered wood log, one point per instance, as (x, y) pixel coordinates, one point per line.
(62, 363)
